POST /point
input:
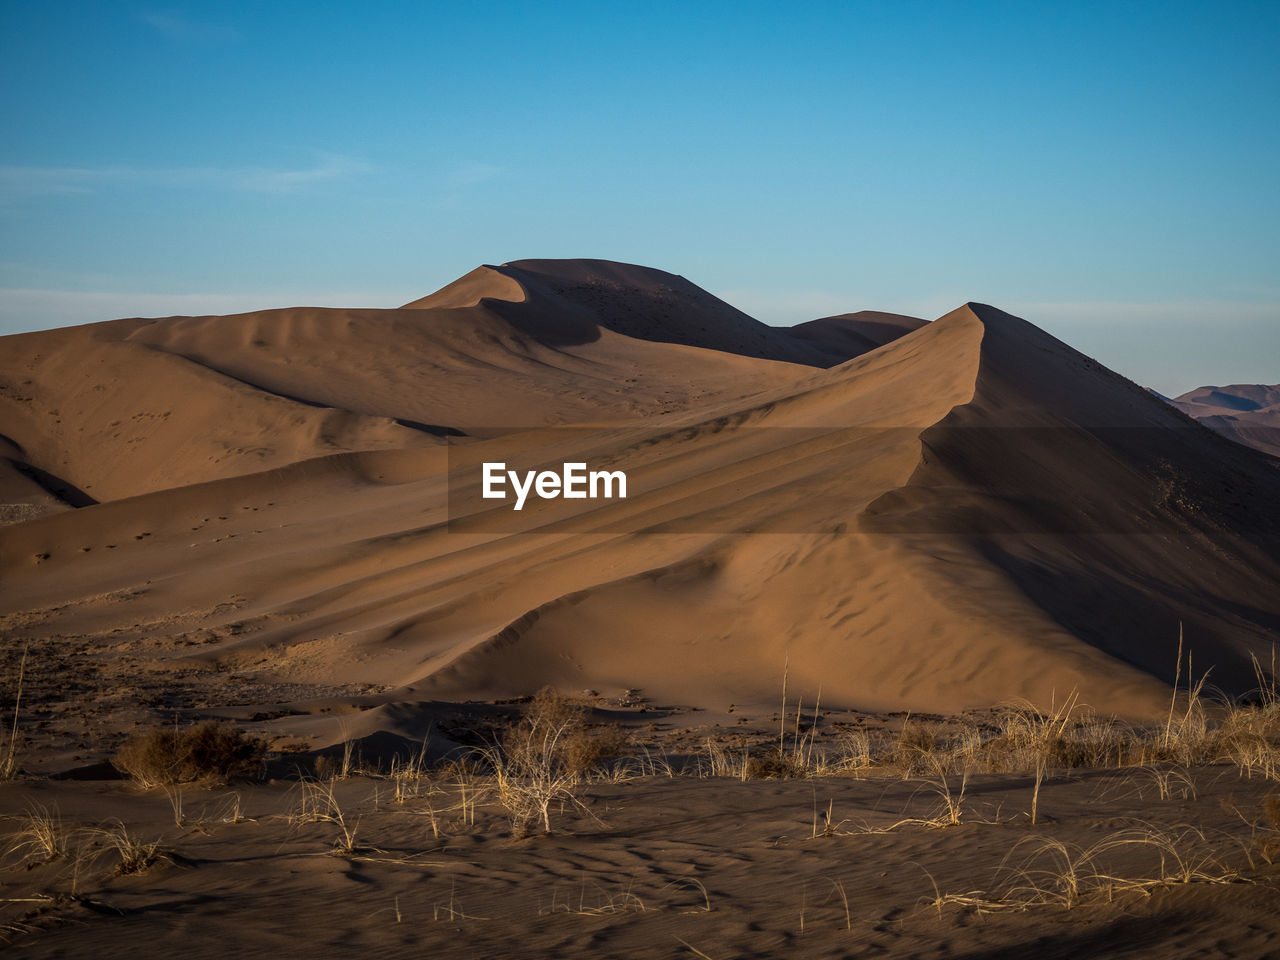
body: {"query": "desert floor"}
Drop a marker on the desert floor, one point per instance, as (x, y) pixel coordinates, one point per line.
(659, 858)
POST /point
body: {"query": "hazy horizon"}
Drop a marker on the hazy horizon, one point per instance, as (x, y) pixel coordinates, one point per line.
(1104, 171)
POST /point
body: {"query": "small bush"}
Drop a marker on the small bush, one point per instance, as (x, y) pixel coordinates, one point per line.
(210, 752)
(543, 758)
(774, 766)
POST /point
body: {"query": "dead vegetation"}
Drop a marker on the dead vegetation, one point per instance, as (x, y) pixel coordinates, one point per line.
(540, 771)
(209, 753)
(9, 759)
(1047, 871)
(544, 758)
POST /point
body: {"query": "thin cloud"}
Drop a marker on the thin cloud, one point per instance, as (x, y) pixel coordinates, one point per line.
(20, 183)
(265, 180)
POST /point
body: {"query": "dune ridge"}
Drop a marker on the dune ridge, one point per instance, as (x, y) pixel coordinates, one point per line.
(966, 512)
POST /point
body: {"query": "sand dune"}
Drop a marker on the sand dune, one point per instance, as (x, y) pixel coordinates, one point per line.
(854, 334)
(276, 519)
(164, 403)
(1247, 413)
(571, 302)
(912, 515)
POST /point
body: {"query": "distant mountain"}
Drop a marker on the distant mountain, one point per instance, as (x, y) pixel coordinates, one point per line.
(1248, 413)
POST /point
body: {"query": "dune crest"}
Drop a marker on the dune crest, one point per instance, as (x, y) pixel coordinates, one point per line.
(964, 511)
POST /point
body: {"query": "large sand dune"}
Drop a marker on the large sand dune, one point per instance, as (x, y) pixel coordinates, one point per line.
(925, 516)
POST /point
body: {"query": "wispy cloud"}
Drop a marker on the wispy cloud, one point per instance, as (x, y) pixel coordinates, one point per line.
(266, 180)
(23, 182)
(184, 29)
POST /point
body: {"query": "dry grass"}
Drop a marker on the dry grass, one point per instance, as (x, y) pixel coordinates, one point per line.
(1047, 871)
(545, 759)
(133, 854)
(1021, 738)
(9, 760)
(318, 803)
(41, 838)
(950, 811)
(339, 766)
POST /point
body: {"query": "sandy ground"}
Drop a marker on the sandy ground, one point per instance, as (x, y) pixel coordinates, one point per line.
(658, 867)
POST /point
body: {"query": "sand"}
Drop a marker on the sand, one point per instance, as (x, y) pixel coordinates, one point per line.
(657, 867)
(1247, 413)
(969, 512)
(275, 518)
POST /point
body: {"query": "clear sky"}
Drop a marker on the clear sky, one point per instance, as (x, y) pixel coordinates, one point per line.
(1110, 171)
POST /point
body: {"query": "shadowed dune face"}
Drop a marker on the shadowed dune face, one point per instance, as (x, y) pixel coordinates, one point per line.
(925, 516)
(854, 334)
(562, 303)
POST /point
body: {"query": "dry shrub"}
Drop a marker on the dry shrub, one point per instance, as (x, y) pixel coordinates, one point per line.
(210, 752)
(1250, 738)
(543, 758)
(772, 765)
(579, 747)
(914, 742)
(589, 747)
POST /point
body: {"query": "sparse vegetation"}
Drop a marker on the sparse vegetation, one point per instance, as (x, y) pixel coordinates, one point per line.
(9, 760)
(542, 760)
(1048, 871)
(318, 803)
(210, 752)
(134, 854)
(542, 766)
(41, 837)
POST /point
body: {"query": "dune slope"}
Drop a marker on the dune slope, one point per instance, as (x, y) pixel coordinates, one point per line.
(968, 512)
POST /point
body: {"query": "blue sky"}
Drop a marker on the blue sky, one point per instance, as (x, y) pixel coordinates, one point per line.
(1109, 171)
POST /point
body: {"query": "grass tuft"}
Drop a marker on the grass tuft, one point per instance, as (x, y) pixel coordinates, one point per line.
(41, 838)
